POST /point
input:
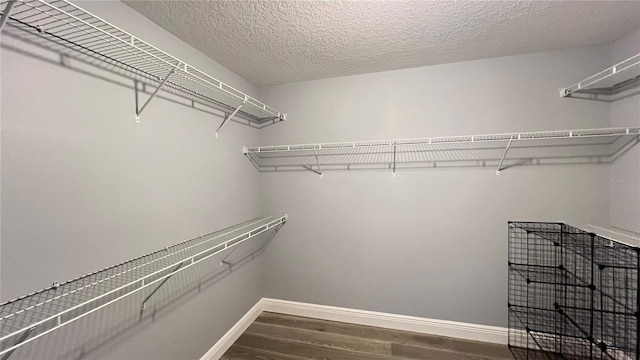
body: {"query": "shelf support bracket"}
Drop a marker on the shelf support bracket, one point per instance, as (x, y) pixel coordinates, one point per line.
(22, 338)
(255, 164)
(504, 156)
(319, 172)
(229, 116)
(5, 14)
(144, 302)
(252, 254)
(153, 94)
(394, 160)
(266, 243)
(224, 261)
(311, 169)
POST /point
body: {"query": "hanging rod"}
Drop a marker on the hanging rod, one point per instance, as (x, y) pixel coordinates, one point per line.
(71, 28)
(32, 316)
(500, 150)
(610, 81)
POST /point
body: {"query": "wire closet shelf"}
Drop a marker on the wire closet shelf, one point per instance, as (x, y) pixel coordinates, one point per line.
(29, 317)
(581, 146)
(613, 80)
(70, 29)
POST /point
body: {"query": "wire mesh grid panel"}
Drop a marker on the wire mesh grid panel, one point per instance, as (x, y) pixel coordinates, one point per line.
(616, 316)
(26, 318)
(572, 294)
(71, 30)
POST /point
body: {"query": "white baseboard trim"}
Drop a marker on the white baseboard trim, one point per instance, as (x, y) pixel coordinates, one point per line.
(467, 331)
(491, 334)
(234, 333)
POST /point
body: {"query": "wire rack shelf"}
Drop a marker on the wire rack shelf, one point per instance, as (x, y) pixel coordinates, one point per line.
(32, 316)
(72, 30)
(602, 145)
(613, 80)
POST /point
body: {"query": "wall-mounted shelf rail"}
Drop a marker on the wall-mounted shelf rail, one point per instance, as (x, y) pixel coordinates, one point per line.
(29, 317)
(72, 30)
(610, 81)
(584, 146)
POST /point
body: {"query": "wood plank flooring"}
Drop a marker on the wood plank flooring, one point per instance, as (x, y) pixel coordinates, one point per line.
(283, 337)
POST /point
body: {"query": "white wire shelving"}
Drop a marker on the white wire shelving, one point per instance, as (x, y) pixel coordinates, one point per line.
(611, 81)
(29, 317)
(613, 233)
(68, 28)
(583, 146)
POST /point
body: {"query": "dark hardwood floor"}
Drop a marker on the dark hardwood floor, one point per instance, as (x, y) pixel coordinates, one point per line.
(284, 337)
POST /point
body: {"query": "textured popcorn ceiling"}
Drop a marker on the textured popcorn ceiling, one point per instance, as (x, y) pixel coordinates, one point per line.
(274, 42)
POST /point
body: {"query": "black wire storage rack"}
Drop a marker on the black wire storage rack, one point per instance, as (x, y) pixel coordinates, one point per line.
(573, 294)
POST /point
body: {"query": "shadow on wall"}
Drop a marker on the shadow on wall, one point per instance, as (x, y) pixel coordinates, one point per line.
(90, 336)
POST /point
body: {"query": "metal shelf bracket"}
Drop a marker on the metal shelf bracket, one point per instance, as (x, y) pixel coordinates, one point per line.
(394, 159)
(22, 338)
(229, 116)
(312, 169)
(504, 156)
(164, 281)
(155, 92)
(5, 14)
(318, 163)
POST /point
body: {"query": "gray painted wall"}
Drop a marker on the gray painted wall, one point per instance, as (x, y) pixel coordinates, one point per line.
(84, 187)
(625, 173)
(429, 243)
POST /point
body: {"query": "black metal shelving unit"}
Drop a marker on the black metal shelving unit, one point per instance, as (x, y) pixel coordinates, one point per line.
(573, 294)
